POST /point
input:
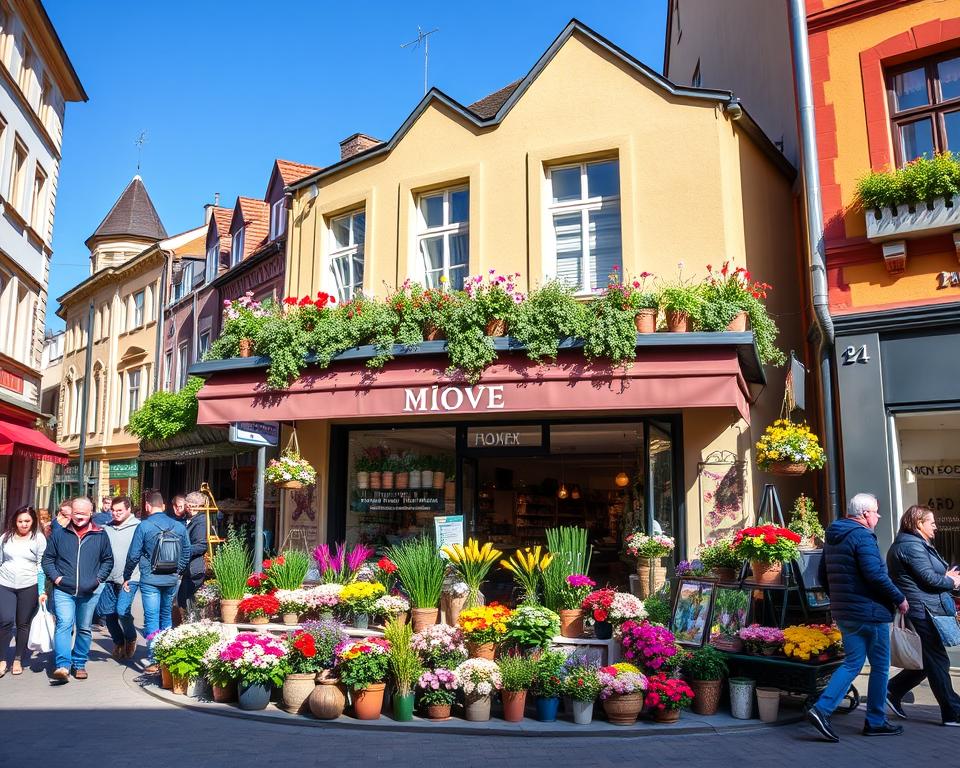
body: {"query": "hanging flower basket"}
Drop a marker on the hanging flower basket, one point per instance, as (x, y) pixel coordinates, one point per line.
(787, 468)
(291, 471)
(787, 448)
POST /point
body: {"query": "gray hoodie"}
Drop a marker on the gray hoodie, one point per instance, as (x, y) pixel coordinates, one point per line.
(120, 537)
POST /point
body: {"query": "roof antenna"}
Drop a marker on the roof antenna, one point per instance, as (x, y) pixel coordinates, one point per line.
(141, 140)
(422, 37)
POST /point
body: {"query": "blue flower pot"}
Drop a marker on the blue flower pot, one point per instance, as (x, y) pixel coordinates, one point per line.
(547, 708)
(361, 621)
(253, 696)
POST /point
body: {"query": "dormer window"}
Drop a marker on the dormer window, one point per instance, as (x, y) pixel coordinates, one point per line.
(236, 253)
(213, 260)
(278, 219)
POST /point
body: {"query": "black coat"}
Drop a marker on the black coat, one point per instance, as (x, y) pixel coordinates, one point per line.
(80, 564)
(917, 568)
(197, 531)
(853, 574)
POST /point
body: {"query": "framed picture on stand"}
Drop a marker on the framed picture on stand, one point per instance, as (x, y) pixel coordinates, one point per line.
(692, 608)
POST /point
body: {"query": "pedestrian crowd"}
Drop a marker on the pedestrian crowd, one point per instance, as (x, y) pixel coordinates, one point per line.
(86, 566)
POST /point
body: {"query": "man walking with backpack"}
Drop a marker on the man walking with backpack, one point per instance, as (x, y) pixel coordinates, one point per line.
(161, 549)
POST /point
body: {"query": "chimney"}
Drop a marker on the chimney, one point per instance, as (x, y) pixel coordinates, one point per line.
(354, 145)
(207, 212)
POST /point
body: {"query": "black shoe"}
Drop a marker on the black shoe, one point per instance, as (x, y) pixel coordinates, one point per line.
(821, 722)
(895, 706)
(882, 730)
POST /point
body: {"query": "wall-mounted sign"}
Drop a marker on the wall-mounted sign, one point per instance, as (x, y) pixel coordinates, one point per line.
(935, 469)
(519, 436)
(262, 433)
(124, 468)
(481, 397)
(11, 381)
(448, 530)
(406, 500)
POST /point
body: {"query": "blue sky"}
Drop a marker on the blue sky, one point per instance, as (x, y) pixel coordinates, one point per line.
(224, 88)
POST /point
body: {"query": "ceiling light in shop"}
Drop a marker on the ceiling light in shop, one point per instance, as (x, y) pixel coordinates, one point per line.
(575, 492)
(562, 493)
(622, 480)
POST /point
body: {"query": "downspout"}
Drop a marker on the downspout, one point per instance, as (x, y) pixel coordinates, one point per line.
(84, 403)
(818, 271)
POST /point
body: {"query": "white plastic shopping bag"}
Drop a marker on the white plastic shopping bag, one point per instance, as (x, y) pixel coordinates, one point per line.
(41, 631)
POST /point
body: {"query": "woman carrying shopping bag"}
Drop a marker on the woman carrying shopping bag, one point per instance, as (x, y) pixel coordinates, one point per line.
(21, 582)
(924, 577)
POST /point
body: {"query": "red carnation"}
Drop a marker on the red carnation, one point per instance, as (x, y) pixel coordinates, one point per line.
(600, 614)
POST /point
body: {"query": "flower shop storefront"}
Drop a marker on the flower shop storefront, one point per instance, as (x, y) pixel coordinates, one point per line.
(528, 447)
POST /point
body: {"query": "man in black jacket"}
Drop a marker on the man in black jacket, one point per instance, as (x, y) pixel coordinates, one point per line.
(862, 601)
(196, 571)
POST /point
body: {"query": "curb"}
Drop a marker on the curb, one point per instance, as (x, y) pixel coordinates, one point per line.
(456, 727)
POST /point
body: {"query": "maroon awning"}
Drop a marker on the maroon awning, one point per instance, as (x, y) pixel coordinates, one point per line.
(16, 440)
(660, 379)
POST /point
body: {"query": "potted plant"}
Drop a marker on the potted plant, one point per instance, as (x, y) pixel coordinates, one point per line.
(358, 599)
(362, 468)
(549, 314)
(231, 565)
(721, 558)
(527, 566)
(626, 607)
(322, 599)
(484, 628)
(516, 676)
(582, 686)
(548, 684)
(805, 522)
(421, 570)
(217, 674)
(182, 652)
(570, 556)
(762, 641)
(786, 448)
(401, 479)
(405, 668)
(610, 332)
(472, 562)
(479, 678)
(290, 471)
(767, 547)
(649, 646)
(454, 597)
(440, 646)
(342, 565)
(682, 302)
(667, 696)
(386, 573)
(621, 691)
(391, 607)
(373, 458)
(207, 598)
(495, 298)
(705, 668)
(649, 551)
(327, 700)
(303, 664)
(243, 321)
(576, 587)
(691, 569)
(812, 642)
(293, 603)
(362, 666)
(597, 606)
(438, 691)
(257, 662)
(388, 474)
(532, 627)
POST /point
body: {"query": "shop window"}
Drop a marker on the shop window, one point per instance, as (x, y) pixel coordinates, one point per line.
(347, 235)
(924, 103)
(443, 237)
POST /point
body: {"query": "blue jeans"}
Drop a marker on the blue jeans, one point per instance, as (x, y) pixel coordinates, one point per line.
(72, 611)
(116, 605)
(861, 641)
(157, 610)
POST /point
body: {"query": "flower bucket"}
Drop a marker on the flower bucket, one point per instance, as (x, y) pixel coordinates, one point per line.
(426, 478)
(739, 322)
(376, 480)
(602, 630)
(476, 708)
(678, 322)
(514, 703)
(582, 711)
(452, 605)
(438, 711)
(787, 468)
(741, 697)
(253, 696)
(421, 618)
(363, 480)
(402, 480)
(766, 573)
(368, 701)
(166, 679)
(768, 704)
(439, 478)
(403, 707)
(199, 688)
(225, 694)
(547, 708)
(666, 715)
(645, 321)
(706, 696)
(178, 684)
(360, 620)
(571, 622)
(246, 347)
(496, 327)
(290, 619)
(327, 700)
(481, 650)
(623, 708)
(296, 691)
(416, 478)
(652, 575)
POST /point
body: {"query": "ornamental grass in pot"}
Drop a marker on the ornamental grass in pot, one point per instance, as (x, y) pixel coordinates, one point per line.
(479, 680)
(362, 666)
(231, 564)
(405, 667)
(705, 668)
(516, 676)
(420, 570)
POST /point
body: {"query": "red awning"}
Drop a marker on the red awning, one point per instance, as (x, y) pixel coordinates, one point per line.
(23, 441)
(660, 379)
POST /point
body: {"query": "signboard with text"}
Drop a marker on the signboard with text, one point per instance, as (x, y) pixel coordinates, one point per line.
(262, 433)
(448, 530)
(398, 500)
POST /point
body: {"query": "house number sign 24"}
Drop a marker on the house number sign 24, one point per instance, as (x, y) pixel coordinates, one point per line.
(854, 355)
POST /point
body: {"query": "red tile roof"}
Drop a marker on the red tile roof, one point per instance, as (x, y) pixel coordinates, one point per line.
(292, 172)
(221, 220)
(489, 105)
(256, 220)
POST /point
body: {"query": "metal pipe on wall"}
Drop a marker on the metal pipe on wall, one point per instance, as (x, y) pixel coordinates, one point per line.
(84, 403)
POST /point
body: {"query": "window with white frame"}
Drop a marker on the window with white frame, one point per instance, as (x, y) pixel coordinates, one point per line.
(183, 362)
(236, 252)
(584, 209)
(185, 285)
(443, 236)
(213, 260)
(167, 370)
(133, 392)
(347, 234)
(203, 344)
(278, 219)
(138, 300)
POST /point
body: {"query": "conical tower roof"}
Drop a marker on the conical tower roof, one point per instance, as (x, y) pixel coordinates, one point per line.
(133, 215)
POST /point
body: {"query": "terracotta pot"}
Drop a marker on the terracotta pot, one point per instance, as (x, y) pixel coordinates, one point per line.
(291, 485)
(432, 333)
(666, 715)
(402, 480)
(246, 347)
(439, 478)
(179, 684)
(724, 574)
(706, 696)
(363, 480)
(678, 322)
(476, 708)
(514, 703)
(228, 611)
(376, 480)
(481, 650)
(496, 327)
(739, 322)
(166, 679)
(787, 468)
(647, 569)
(452, 605)
(296, 691)
(386, 478)
(623, 708)
(367, 702)
(328, 699)
(423, 618)
(571, 622)
(259, 619)
(224, 694)
(768, 704)
(766, 573)
(645, 321)
(438, 711)
(290, 619)
(808, 542)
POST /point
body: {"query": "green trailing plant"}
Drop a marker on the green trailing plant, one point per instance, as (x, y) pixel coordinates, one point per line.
(611, 333)
(165, 414)
(549, 315)
(571, 555)
(658, 609)
(921, 180)
(706, 663)
(680, 298)
(403, 661)
(469, 349)
(804, 519)
(420, 570)
(516, 672)
(231, 565)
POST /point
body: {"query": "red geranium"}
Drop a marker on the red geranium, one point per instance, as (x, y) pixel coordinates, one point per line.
(305, 644)
(259, 605)
(668, 693)
(598, 603)
(386, 565)
(258, 582)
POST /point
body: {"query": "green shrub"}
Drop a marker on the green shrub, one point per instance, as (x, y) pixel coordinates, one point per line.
(165, 414)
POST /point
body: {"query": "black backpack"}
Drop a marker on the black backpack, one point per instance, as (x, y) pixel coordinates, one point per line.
(166, 553)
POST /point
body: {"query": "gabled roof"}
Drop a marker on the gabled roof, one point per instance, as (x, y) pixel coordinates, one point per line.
(220, 219)
(133, 215)
(495, 107)
(292, 172)
(254, 216)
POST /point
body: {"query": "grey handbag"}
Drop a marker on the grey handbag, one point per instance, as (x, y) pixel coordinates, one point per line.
(948, 628)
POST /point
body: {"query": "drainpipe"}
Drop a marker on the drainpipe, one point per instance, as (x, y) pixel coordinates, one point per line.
(84, 403)
(818, 271)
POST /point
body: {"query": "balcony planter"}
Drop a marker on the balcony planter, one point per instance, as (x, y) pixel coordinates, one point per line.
(920, 219)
